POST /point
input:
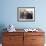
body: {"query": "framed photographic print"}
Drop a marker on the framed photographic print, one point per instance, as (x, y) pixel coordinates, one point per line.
(26, 14)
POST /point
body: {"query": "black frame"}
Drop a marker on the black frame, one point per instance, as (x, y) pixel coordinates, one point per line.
(25, 20)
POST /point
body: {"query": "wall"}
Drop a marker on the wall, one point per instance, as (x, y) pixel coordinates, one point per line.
(8, 13)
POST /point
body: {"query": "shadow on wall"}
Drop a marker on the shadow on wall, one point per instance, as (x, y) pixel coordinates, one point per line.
(2, 26)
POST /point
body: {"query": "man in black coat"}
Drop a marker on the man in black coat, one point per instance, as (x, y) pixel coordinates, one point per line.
(29, 15)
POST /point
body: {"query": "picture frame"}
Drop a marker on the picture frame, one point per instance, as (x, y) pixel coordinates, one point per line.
(26, 14)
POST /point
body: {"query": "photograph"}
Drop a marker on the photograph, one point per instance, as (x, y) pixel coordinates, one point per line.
(26, 14)
(22, 23)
